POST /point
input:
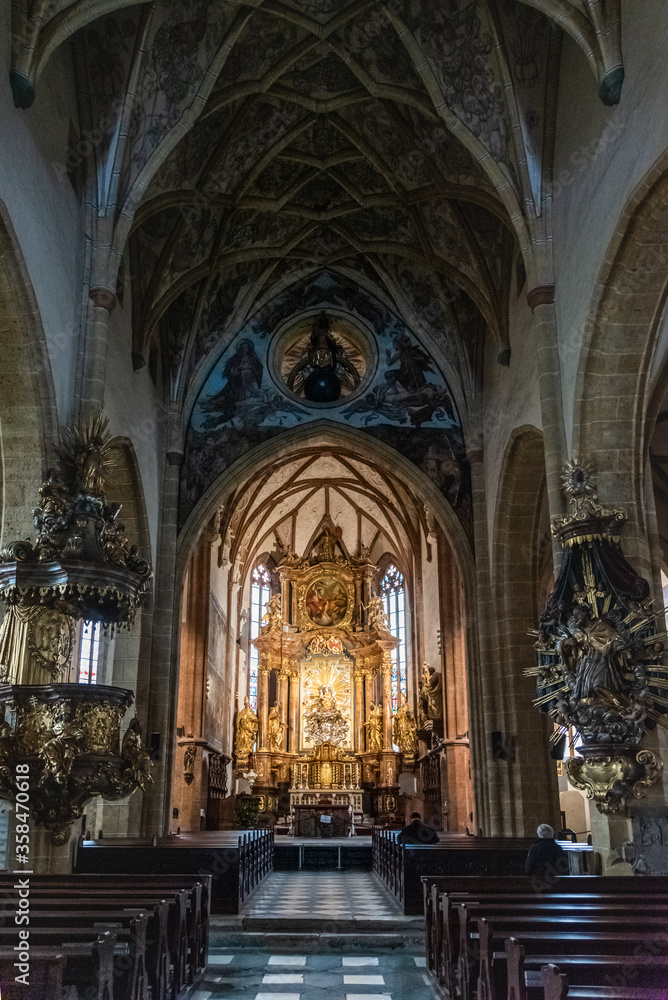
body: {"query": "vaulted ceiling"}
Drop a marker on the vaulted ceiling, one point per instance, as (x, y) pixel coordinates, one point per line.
(289, 501)
(238, 147)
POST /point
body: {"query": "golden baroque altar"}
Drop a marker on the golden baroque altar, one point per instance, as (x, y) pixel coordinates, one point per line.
(330, 732)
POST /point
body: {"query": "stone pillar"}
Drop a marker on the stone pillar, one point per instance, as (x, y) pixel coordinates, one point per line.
(387, 701)
(263, 704)
(359, 676)
(294, 710)
(541, 301)
(163, 670)
(94, 355)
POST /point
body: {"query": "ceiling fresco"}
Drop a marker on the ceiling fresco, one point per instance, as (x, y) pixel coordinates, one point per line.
(404, 399)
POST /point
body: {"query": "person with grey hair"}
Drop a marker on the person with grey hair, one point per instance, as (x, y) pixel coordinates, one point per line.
(546, 857)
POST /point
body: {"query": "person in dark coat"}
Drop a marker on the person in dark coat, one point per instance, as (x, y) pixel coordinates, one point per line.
(418, 832)
(546, 857)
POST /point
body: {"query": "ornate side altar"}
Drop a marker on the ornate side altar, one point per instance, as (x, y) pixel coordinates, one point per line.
(331, 732)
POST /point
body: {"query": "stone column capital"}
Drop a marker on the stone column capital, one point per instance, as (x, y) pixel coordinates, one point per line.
(541, 295)
(103, 297)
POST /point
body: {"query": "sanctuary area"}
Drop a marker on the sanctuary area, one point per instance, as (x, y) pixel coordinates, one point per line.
(334, 498)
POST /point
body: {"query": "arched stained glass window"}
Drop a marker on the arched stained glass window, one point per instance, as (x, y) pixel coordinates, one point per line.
(394, 602)
(260, 594)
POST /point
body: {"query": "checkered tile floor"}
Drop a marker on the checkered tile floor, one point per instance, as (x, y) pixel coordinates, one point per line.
(323, 895)
(260, 976)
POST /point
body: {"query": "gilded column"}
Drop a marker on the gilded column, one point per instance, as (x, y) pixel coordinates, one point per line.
(263, 703)
(368, 687)
(294, 710)
(387, 701)
(283, 678)
(359, 676)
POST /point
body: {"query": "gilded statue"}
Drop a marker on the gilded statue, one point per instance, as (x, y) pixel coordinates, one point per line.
(374, 728)
(377, 615)
(275, 728)
(593, 655)
(132, 750)
(247, 727)
(431, 695)
(273, 616)
(405, 730)
(59, 752)
(325, 722)
(326, 547)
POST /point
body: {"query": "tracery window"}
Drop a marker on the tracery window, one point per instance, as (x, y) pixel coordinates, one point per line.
(89, 651)
(260, 594)
(394, 602)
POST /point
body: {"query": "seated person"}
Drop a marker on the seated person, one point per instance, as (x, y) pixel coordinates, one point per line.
(546, 857)
(418, 832)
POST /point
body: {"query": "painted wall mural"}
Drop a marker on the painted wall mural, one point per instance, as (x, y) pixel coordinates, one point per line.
(403, 400)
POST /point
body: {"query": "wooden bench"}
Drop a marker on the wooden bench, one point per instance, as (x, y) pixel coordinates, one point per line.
(131, 980)
(442, 934)
(501, 975)
(556, 987)
(236, 863)
(47, 966)
(178, 944)
(480, 935)
(649, 975)
(88, 965)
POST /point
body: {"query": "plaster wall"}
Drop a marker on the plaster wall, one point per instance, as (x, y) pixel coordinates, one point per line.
(601, 155)
(42, 205)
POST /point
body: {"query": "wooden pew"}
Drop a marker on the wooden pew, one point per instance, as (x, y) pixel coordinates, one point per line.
(440, 893)
(648, 974)
(502, 974)
(541, 926)
(157, 956)
(237, 864)
(47, 966)
(88, 964)
(131, 981)
(556, 987)
(188, 920)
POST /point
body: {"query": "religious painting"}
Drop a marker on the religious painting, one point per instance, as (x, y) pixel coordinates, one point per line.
(326, 602)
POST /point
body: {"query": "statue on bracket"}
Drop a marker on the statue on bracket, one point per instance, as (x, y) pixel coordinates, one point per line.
(405, 730)
(430, 698)
(374, 728)
(273, 616)
(247, 727)
(377, 615)
(275, 728)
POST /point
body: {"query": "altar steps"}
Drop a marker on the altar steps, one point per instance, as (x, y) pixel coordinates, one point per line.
(403, 935)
